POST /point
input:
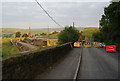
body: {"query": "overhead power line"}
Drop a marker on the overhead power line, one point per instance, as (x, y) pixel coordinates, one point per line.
(47, 13)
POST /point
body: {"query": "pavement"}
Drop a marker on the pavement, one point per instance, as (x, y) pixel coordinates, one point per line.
(65, 69)
(98, 64)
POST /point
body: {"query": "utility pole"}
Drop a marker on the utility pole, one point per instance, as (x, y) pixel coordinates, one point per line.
(48, 32)
(48, 37)
(29, 29)
(29, 34)
(73, 24)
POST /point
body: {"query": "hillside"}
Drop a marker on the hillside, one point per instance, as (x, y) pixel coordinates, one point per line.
(88, 32)
(59, 29)
(14, 30)
(34, 31)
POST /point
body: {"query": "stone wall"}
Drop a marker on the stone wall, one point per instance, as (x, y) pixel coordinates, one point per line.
(28, 65)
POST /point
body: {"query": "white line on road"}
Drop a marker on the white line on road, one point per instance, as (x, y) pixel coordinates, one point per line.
(78, 66)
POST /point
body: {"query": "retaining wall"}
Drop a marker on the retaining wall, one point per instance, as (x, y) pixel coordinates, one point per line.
(28, 65)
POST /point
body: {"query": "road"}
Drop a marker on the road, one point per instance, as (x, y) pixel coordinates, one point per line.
(65, 69)
(96, 63)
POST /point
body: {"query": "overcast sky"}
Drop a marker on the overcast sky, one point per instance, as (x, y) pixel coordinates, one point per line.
(25, 14)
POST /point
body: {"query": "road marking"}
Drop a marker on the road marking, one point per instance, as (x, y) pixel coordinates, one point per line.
(78, 66)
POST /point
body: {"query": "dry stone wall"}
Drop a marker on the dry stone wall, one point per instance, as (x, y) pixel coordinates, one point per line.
(28, 65)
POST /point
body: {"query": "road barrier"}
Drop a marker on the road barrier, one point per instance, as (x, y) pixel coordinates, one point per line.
(29, 64)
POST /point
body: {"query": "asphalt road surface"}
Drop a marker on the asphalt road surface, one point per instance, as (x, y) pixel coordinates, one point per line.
(65, 69)
(98, 64)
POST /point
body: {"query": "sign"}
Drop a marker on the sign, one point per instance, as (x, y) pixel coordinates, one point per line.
(96, 44)
(111, 48)
(77, 44)
(87, 44)
(102, 45)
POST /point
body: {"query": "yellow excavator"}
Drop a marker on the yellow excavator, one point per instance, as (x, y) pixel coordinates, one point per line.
(80, 41)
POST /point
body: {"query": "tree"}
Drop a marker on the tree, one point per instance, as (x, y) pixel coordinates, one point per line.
(69, 34)
(18, 34)
(25, 35)
(43, 34)
(97, 37)
(109, 24)
(55, 32)
(36, 34)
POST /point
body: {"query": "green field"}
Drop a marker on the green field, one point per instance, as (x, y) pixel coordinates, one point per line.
(7, 48)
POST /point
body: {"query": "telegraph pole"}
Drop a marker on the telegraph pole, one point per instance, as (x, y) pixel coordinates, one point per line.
(29, 29)
(48, 37)
(48, 32)
(29, 34)
(73, 24)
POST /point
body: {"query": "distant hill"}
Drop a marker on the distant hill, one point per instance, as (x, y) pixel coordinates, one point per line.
(87, 31)
(34, 31)
(14, 30)
(59, 29)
